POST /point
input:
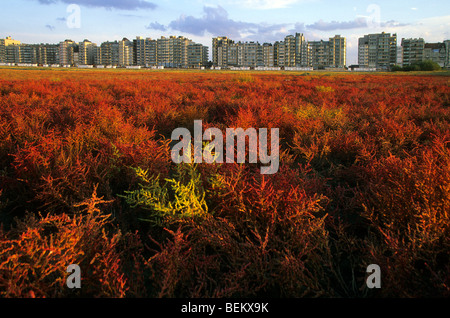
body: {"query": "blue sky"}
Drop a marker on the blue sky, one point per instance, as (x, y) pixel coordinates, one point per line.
(51, 21)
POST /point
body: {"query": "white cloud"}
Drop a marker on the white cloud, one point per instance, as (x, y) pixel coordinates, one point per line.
(268, 4)
(435, 29)
(263, 4)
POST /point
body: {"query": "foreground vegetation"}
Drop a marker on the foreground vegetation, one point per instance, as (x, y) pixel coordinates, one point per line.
(86, 178)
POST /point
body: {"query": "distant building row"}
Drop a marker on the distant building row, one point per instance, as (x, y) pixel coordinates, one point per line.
(380, 52)
(414, 51)
(177, 52)
(293, 52)
(375, 52)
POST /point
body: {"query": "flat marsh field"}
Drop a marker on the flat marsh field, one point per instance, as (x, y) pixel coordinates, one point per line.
(86, 178)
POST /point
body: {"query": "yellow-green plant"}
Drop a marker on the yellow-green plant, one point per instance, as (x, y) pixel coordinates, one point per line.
(172, 199)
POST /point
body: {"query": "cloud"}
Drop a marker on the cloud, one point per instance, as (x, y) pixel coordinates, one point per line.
(264, 4)
(156, 26)
(393, 24)
(335, 25)
(215, 21)
(108, 4)
(267, 4)
(357, 23)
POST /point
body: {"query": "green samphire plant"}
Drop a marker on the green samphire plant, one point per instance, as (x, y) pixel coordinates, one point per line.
(172, 199)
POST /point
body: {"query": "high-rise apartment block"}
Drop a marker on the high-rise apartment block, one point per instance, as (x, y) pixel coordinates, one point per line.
(126, 52)
(67, 50)
(320, 53)
(377, 51)
(338, 51)
(87, 53)
(268, 55)
(399, 55)
(178, 52)
(436, 52)
(293, 52)
(417, 50)
(108, 54)
(9, 50)
(220, 47)
(14, 52)
(197, 55)
(145, 52)
(447, 54)
(172, 51)
(413, 50)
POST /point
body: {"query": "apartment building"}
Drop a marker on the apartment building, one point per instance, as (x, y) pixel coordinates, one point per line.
(68, 52)
(417, 50)
(436, 52)
(139, 51)
(338, 52)
(108, 54)
(14, 52)
(279, 53)
(231, 55)
(447, 54)
(327, 54)
(126, 52)
(268, 55)
(145, 52)
(87, 53)
(292, 51)
(9, 50)
(320, 54)
(220, 47)
(197, 55)
(400, 55)
(377, 51)
(252, 55)
(27, 54)
(413, 51)
(45, 54)
(172, 51)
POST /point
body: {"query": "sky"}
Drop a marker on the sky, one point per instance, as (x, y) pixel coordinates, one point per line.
(53, 21)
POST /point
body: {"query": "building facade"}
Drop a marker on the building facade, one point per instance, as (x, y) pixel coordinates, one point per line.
(377, 51)
(292, 52)
(126, 52)
(338, 52)
(68, 52)
(145, 52)
(447, 54)
(417, 50)
(220, 47)
(413, 51)
(436, 52)
(87, 52)
(177, 52)
(197, 55)
(9, 50)
(320, 54)
(108, 54)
